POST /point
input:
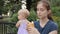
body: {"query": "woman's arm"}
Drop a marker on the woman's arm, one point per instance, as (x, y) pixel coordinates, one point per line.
(54, 32)
(33, 31)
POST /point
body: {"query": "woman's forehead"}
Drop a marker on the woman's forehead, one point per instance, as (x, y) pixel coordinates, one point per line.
(41, 6)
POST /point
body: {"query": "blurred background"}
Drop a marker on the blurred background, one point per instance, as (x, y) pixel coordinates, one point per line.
(9, 9)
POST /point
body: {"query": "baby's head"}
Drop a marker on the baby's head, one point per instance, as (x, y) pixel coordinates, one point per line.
(23, 14)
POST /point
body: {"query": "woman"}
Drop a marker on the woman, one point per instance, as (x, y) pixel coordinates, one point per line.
(45, 25)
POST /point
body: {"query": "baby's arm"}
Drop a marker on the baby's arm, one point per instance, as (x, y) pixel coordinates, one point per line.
(18, 24)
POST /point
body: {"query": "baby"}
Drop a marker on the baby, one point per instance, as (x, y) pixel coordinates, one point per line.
(22, 23)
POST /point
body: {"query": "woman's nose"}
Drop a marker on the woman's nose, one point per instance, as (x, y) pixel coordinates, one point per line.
(39, 12)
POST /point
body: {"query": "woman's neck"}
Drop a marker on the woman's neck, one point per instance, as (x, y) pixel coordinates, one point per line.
(43, 21)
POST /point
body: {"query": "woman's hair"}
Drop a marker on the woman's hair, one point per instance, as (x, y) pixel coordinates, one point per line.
(47, 5)
(25, 12)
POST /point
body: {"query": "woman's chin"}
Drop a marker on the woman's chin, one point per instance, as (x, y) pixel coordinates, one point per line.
(40, 17)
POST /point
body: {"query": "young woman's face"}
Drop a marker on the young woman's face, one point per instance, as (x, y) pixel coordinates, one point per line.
(41, 11)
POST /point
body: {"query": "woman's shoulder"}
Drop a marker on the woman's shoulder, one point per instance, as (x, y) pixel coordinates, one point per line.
(36, 22)
(52, 26)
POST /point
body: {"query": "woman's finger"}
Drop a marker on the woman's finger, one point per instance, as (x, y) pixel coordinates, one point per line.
(28, 28)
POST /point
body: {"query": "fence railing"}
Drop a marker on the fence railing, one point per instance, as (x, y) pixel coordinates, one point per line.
(7, 28)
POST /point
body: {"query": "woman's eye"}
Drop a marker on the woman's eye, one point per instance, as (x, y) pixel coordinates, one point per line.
(41, 9)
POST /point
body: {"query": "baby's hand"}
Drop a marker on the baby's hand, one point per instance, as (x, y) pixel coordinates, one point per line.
(18, 24)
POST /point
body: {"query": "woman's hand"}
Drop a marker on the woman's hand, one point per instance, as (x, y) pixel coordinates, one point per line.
(32, 30)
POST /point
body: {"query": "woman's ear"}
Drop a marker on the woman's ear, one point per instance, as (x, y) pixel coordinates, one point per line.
(49, 12)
